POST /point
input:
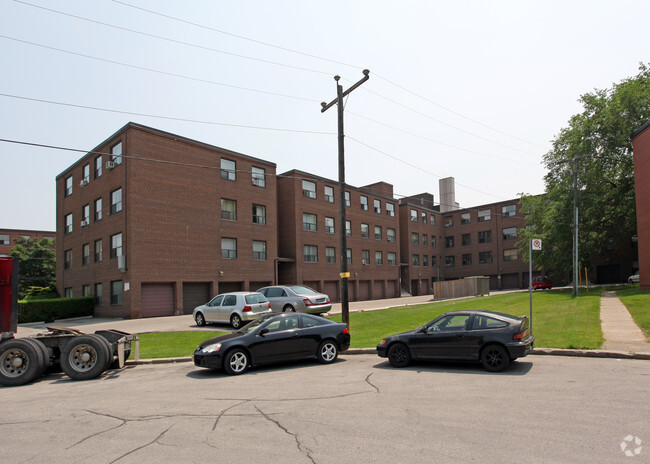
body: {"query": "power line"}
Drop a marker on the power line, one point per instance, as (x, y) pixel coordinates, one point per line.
(241, 126)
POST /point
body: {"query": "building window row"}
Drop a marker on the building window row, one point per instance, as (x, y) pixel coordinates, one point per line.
(309, 191)
(422, 216)
(485, 236)
(229, 249)
(98, 169)
(97, 251)
(116, 207)
(484, 257)
(310, 255)
(229, 172)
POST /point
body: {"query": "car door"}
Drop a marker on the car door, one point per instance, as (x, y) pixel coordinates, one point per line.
(276, 296)
(445, 338)
(228, 305)
(211, 309)
(278, 340)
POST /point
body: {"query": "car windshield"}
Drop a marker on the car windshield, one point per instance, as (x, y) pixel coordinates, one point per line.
(302, 289)
(253, 325)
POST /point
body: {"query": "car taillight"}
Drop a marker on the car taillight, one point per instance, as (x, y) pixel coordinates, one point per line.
(246, 309)
(521, 335)
(269, 305)
(307, 302)
(346, 331)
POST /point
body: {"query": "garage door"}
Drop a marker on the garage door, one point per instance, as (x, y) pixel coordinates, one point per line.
(195, 294)
(378, 290)
(332, 289)
(391, 289)
(509, 281)
(157, 300)
(364, 290)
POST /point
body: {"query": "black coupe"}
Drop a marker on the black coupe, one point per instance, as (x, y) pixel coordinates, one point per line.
(495, 339)
(274, 338)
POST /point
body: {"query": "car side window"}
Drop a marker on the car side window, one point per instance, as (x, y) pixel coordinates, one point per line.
(452, 323)
(484, 322)
(309, 321)
(274, 292)
(283, 323)
(216, 301)
(230, 300)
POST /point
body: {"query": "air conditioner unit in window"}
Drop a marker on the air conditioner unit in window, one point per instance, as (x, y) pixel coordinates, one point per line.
(85, 222)
(364, 262)
(110, 164)
(84, 182)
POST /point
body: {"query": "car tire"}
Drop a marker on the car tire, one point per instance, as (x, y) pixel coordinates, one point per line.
(327, 353)
(399, 355)
(494, 358)
(200, 319)
(235, 321)
(288, 309)
(236, 362)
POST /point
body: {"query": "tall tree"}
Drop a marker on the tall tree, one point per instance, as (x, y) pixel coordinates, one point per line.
(37, 263)
(607, 207)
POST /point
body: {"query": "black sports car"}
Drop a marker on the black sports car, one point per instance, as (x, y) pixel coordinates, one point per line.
(492, 338)
(273, 338)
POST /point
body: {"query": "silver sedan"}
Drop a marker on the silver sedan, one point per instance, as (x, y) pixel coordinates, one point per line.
(300, 298)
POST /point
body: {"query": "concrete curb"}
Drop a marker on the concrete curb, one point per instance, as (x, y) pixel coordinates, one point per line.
(536, 351)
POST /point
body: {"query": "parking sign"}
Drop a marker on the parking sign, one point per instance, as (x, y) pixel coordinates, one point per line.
(537, 244)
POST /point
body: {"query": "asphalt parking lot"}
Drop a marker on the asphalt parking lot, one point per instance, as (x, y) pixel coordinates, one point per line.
(542, 409)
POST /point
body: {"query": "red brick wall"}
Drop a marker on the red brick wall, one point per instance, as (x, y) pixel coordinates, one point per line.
(641, 143)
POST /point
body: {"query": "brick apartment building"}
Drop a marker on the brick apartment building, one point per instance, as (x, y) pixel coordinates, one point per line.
(153, 224)
(8, 237)
(641, 146)
(309, 236)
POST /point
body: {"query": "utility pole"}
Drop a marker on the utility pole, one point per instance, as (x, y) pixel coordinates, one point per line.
(345, 275)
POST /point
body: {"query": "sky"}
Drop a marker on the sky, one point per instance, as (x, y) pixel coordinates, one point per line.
(473, 90)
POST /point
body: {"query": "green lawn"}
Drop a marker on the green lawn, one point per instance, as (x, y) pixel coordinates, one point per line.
(559, 321)
(637, 302)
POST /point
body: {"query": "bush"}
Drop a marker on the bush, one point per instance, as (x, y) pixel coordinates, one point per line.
(51, 310)
(42, 293)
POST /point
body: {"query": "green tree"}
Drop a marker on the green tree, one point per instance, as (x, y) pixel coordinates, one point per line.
(37, 263)
(606, 198)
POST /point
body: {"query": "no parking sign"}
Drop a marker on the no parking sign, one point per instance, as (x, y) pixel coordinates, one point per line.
(537, 244)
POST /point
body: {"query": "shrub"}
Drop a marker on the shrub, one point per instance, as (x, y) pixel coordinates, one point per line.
(42, 293)
(51, 310)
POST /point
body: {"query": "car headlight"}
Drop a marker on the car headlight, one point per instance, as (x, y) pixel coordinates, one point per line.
(211, 348)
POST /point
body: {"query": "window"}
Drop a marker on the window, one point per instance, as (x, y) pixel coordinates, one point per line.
(484, 215)
(466, 239)
(485, 257)
(415, 238)
(258, 176)
(465, 218)
(98, 166)
(415, 260)
(85, 254)
(434, 262)
(467, 259)
(425, 240)
(309, 221)
(365, 230)
(450, 261)
(377, 206)
(68, 292)
(379, 258)
(116, 201)
(116, 292)
(85, 172)
(311, 253)
(329, 225)
(377, 232)
(347, 199)
(99, 251)
(4, 239)
(116, 245)
(228, 209)
(390, 235)
(390, 209)
(508, 211)
(98, 209)
(365, 257)
(259, 214)
(348, 255)
(432, 219)
(259, 249)
(116, 153)
(348, 228)
(67, 259)
(449, 221)
(423, 217)
(485, 236)
(484, 322)
(510, 233)
(68, 223)
(449, 242)
(98, 294)
(392, 258)
(85, 290)
(433, 241)
(451, 323)
(330, 254)
(510, 255)
(85, 215)
(425, 260)
(228, 248)
(308, 189)
(228, 169)
(68, 186)
(414, 216)
(329, 194)
(364, 203)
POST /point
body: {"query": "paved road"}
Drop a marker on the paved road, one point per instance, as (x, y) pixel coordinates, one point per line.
(357, 410)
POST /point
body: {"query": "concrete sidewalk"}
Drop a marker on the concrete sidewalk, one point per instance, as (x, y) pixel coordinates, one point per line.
(619, 329)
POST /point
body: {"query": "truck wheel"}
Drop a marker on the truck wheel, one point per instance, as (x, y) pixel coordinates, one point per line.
(20, 362)
(39, 345)
(83, 358)
(109, 349)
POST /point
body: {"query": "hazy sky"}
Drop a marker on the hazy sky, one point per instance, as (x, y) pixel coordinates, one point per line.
(473, 89)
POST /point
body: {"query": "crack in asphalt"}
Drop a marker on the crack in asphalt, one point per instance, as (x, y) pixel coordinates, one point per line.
(372, 384)
(302, 448)
(155, 440)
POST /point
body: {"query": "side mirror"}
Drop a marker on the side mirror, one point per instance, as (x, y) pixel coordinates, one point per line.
(263, 332)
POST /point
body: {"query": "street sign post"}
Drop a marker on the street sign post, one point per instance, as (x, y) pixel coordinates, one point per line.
(533, 244)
